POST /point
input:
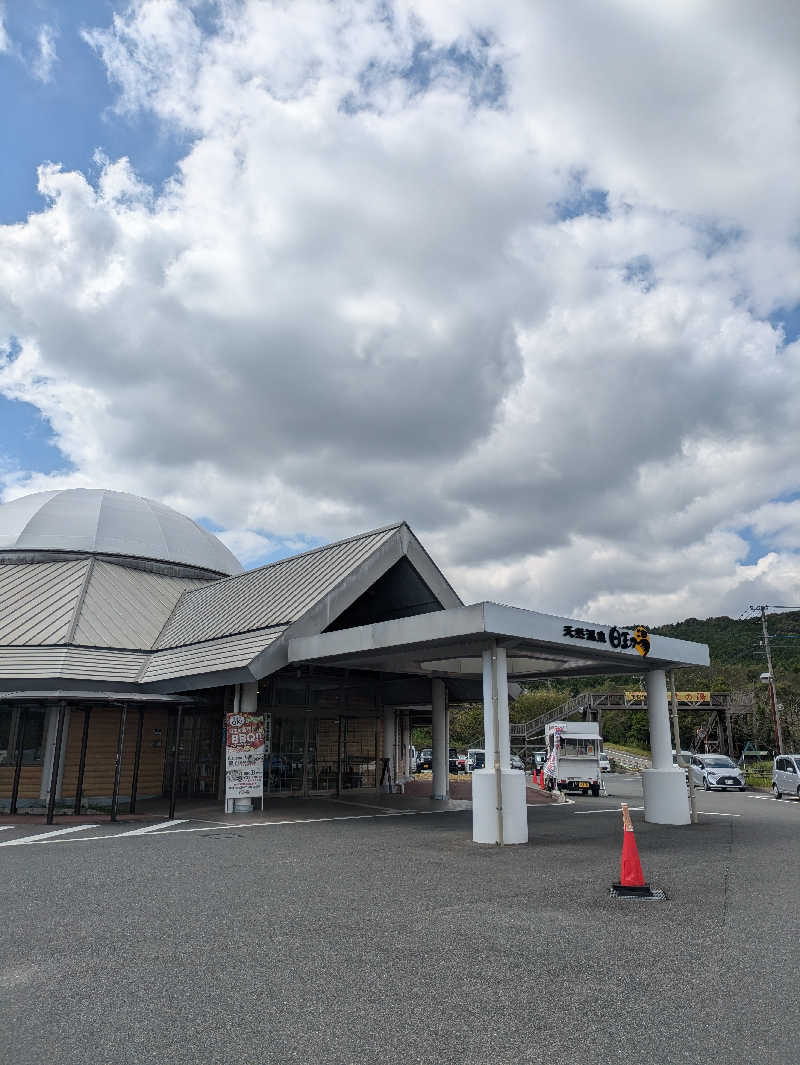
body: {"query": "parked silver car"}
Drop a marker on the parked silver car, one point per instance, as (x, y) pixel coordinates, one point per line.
(786, 775)
(711, 771)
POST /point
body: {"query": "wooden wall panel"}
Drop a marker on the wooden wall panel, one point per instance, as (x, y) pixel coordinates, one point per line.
(101, 752)
(30, 781)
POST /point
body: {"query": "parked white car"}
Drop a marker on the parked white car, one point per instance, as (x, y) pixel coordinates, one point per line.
(715, 771)
(786, 775)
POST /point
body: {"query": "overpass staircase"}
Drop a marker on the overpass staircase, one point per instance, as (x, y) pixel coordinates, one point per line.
(526, 736)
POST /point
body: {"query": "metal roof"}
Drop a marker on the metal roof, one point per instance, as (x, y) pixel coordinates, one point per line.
(125, 607)
(85, 601)
(83, 663)
(289, 613)
(38, 600)
(276, 594)
(209, 657)
(99, 521)
(93, 695)
(93, 621)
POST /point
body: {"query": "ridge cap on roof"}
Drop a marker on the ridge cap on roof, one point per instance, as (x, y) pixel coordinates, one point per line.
(300, 554)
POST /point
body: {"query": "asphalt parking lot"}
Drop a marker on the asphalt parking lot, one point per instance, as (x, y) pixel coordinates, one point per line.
(380, 936)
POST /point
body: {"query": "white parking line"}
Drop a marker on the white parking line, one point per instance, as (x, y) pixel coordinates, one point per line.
(155, 828)
(167, 828)
(156, 831)
(370, 806)
(6, 828)
(44, 837)
(771, 798)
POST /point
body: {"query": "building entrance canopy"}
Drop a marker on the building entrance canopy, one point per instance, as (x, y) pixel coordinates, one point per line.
(450, 643)
(477, 650)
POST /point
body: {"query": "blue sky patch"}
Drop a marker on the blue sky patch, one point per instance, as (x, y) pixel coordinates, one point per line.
(65, 119)
(581, 200)
(27, 441)
(787, 319)
(714, 237)
(467, 68)
(639, 272)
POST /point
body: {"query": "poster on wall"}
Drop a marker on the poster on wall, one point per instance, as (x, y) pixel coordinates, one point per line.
(244, 756)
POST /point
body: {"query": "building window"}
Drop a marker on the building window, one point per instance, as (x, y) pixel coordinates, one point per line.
(33, 738)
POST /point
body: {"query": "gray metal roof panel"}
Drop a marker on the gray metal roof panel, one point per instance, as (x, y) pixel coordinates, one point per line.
(38, 600)
(212, 656)
(126, 607)
(276, 594)
(85, 663)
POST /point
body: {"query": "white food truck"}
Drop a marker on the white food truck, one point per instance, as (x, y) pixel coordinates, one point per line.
(573, 756)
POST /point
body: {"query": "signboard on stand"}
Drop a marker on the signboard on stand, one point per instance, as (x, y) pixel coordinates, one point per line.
(244, 756)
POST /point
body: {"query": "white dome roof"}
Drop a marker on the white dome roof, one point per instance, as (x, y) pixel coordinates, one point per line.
(110, 523)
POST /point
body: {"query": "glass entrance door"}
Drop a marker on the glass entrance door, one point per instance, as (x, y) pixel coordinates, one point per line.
(322, 756)
(284, 767)
(198, 754)
(304, 759)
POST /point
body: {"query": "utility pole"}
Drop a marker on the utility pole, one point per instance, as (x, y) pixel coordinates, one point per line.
(776, 716)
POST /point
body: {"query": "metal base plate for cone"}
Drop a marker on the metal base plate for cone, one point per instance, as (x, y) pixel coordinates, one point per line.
(620, 891)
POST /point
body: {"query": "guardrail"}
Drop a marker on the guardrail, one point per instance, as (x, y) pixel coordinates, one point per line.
(624, 758)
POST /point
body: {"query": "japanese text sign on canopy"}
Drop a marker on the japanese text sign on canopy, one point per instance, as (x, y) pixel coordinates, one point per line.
(244, 756)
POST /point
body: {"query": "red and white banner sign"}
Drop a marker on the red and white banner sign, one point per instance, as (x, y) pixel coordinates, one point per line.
(244, 756)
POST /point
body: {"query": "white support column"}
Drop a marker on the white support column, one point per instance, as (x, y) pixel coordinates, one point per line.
(504, 731)
(47, 757)
(440, 741)
(403, 761)
(499, 807)
(666, 800)
(389, 745)
(248, 700)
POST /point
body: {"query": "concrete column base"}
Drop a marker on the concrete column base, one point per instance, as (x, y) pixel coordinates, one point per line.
(666, 800)
(484, 806)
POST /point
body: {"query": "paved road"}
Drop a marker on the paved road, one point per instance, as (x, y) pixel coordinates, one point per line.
(394, 938)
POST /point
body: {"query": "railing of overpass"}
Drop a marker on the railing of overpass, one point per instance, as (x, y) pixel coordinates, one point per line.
(522, 733)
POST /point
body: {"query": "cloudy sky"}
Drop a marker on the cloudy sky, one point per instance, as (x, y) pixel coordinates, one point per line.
(524, 274)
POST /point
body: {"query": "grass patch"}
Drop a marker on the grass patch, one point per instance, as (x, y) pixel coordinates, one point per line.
(641, 752)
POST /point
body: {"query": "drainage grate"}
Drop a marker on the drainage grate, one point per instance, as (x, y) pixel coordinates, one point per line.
(223, 835)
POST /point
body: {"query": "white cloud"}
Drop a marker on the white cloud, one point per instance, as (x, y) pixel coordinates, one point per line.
(357, 300)
(5, 40)
(47, 57)
(248, 546)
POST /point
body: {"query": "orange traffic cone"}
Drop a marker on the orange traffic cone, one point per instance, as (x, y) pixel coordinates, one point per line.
(631, 879)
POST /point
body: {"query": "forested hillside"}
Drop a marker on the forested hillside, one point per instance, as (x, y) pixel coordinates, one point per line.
(737, 642)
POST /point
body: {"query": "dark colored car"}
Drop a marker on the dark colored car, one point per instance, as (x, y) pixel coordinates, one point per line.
(425, 760)
(453, 760)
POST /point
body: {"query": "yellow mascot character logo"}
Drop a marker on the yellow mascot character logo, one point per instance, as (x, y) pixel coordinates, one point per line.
(641, 640)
